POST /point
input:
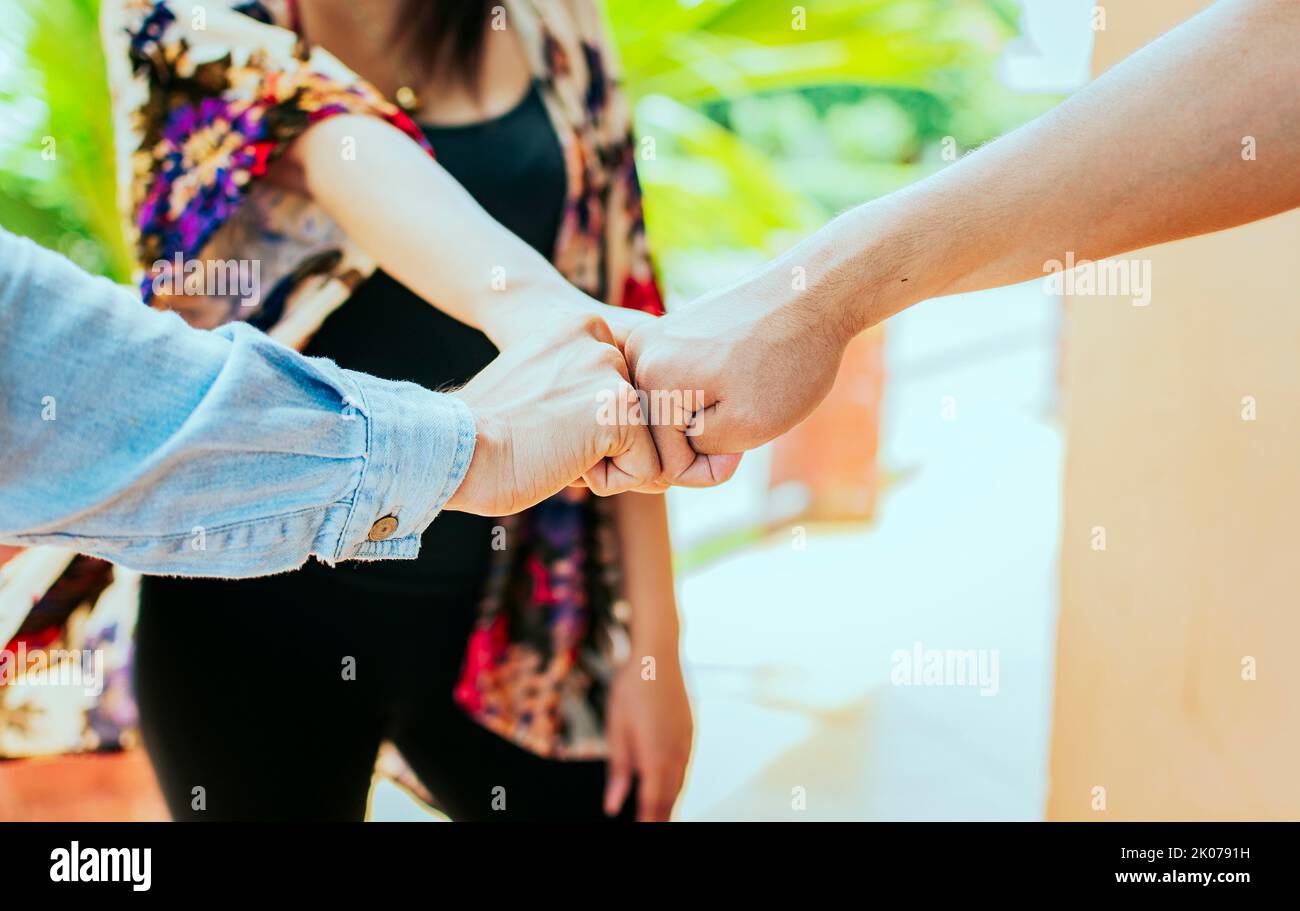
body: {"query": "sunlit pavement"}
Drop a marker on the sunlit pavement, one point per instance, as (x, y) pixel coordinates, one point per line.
(791, 650)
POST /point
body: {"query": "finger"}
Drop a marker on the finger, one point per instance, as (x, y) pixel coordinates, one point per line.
(612, 357)
(654, 487)
(653, 805)
(637, 469)
(605, 480)
(638, 465)
(675, 420)
(674, 778)
(632, 346)
(630, 462)
(717, 430)
(709, 470)
(674, 450)
(670, 415)
(682, 466)
(618, 775)
(594, 478)
(597, 328)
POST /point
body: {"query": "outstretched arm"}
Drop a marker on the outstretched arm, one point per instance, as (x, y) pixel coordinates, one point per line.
(1150, 152)
(425, 229)
(127, 434)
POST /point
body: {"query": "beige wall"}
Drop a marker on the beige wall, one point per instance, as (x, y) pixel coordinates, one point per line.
(1201, 511)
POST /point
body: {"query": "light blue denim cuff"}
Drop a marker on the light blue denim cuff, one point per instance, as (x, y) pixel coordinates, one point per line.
(420, 444)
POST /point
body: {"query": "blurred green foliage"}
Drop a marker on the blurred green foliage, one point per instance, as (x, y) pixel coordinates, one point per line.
(757, 118)
(56, 148)
(767, 116)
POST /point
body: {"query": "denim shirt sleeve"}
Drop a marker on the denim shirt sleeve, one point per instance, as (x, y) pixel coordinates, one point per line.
(128, 435)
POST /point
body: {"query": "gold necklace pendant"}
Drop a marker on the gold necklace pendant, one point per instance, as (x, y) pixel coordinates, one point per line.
(407, 100)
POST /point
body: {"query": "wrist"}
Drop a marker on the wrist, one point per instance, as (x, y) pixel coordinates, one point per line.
(479, 490)
(514, 312)
(866, 265)
(881, 253)
(824, 284)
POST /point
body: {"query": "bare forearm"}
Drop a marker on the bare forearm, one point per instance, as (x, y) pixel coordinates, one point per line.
(422, 226)
(1150, 152)
(642, 525)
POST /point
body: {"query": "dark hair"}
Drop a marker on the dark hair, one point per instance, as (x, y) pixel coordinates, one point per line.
(446, 35)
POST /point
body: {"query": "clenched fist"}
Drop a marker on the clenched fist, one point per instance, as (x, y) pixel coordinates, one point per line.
(541, 425)
(753, 362)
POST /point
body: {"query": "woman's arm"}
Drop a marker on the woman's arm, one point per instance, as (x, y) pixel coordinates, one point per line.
(425, 229)
(649, 715)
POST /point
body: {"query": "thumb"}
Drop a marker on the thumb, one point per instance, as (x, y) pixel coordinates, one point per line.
(673, 421)
(716, 432)
(618, 774)
(629, 460)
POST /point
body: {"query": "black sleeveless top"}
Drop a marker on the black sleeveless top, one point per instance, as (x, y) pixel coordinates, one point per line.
(513, 166)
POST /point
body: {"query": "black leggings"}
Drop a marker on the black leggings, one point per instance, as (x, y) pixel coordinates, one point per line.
(242, 692)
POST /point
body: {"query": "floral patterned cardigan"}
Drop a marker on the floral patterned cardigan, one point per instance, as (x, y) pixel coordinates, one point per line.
(205, 96)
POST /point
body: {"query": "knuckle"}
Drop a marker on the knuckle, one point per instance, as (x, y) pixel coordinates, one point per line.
(648, 372)
(632, 400)
(611, 358)
(591, 324)
(632, 348)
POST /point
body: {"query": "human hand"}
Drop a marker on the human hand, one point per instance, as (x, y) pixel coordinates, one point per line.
(559, 305)
(751, 361)
(648, 724)
(536, 410)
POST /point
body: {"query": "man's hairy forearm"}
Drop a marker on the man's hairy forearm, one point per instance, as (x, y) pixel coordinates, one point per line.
(1148, 153)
